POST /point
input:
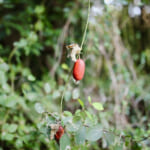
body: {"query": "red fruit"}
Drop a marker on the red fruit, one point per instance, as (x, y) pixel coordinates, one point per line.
(59, 133)
(79, 69)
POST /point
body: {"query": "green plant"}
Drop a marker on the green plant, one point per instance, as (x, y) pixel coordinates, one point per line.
(36, 75)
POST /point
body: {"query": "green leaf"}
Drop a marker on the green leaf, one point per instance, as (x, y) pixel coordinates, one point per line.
(98, 106)
(81, 103)
(72, 127)
(19, 143)
(77, 121)
(65, 120)
(47, 88)
(9, 101)
(80, 135)
(4, 67)
(89, 115)
(72, 124)
(7, 136)
(94, 133)
(31, 96)
(65, 66)
(31, 77)
(67, 113)
(64, 142)
(12, 128)
(6, 87)
(39, 9)
(39, 108)
(77, 111)
(39, 25)
(2, 78)
(56, 94)
(90, 122)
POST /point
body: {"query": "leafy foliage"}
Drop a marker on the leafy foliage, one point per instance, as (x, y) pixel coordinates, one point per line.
(108, 109)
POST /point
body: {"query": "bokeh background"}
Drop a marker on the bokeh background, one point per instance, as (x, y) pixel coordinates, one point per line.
(34, 68)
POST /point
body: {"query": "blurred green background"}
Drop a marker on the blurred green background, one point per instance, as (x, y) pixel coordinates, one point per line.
(34, 68)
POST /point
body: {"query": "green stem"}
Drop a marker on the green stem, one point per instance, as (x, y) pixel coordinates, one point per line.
(86, 26)
(9, 62)
(11, 55)
(62, 97)
(83, 39)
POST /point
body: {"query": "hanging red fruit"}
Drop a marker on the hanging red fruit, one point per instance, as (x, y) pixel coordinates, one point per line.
(59, 133)
(78, 69)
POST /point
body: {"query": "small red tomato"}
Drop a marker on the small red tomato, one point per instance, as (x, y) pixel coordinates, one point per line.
(79, 69)
(59, 133)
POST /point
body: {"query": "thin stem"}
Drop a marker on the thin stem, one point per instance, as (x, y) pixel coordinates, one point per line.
(9, 62)
(11, 55)
(83, 39)
(86, 26)
(62, 97)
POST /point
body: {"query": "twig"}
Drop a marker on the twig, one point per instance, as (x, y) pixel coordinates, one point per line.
(86, 26)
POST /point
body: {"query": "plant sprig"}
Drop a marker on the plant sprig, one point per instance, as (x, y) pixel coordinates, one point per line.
(83, 39)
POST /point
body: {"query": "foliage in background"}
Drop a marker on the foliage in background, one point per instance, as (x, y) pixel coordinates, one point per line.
(34, 68)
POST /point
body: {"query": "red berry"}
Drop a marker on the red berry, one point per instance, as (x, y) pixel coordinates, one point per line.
(59, 133)
(79, 69)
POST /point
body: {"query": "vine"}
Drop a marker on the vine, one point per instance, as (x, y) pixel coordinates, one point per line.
(83, 39)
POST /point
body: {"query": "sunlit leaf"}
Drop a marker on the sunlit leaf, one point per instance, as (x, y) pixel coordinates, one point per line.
(98, 106)
(31, 77)
(65, 66)
(81, 103)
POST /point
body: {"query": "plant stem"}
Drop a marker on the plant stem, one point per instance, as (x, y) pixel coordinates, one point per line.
(70, 73)
(62, 97)
(9, 62)
(11, 55)
(86, 26)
